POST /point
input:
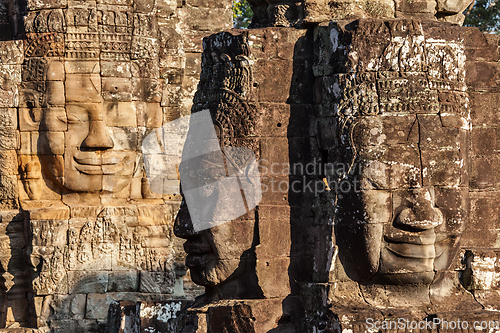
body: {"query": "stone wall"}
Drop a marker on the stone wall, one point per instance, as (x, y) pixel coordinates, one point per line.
(282, 13)
(403, 108)
(481, 237)
(73, 238)
(258, 86)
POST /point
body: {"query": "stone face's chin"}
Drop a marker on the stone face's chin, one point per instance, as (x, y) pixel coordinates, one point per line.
(209, 271)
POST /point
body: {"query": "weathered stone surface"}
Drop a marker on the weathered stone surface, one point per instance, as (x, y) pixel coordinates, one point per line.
(81, 88)
(241, 266)
(380, 104)
(72, 306)
(289, 13)
(373, 146)
(394, 133)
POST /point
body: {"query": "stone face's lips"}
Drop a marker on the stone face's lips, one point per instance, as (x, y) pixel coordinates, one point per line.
(88, 165)
(196, 247)
(421, 238)
(89, 169)
(197, 251)
(412, 250)
(97, 165)
(91, 161)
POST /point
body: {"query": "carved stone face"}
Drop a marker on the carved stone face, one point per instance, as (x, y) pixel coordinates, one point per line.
(88, 94)
(90, 155)
(220, 257)
(215, 254)
(403, 222)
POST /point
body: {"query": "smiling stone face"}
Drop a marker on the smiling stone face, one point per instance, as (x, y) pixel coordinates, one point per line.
(89, 155)
(400, 132)
(411, 206)
(90, 90)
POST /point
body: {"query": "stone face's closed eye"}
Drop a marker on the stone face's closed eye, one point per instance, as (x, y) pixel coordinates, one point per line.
(73, 119)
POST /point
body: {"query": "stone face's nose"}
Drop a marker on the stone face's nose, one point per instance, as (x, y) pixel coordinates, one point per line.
(183, 226)
(98, 136)
(421, 215)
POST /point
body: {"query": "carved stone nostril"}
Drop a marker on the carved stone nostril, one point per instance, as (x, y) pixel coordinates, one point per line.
(98, 136)
(419, 219)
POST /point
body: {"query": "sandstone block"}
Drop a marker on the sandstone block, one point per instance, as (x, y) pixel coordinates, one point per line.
(482, 75)
(97, 306)
(83, 88)
(35, 5)
(484, 172)
(115, 69)
(484, 109)
(123, 281)
(157, 282)
(485, 142)
(82, 282)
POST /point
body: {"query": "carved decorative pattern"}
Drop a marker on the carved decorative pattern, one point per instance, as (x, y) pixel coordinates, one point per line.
(44, 45)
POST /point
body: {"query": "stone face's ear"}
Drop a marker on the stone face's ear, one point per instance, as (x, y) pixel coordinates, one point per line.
(31, 174)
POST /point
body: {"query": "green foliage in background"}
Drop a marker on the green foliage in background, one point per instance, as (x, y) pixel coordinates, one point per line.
(483, 14)
(242, 14)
